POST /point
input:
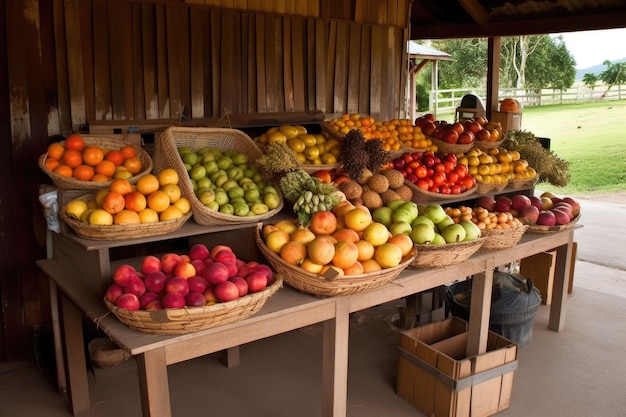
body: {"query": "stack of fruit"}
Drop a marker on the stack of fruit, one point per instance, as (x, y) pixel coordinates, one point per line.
(468, 131)
(202, 277)
(227, 182)
(310, 149)
(155, 198)
(92, 162)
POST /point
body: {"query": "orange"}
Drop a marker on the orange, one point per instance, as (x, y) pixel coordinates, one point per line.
(93, 155)
(63, 170)
(183, 205)
(128, 151)
(122, 173)
(147, 184)
(115, 156)
(133, 164)
(168, 176)
(75, 142)
(100, 194)
(170, 213)
(100, 178)
(51, 163)
(148, 215)
(83, 172)
(55, 150)
(99, 216)
(135, 201)
(113, 202)
(126, 217)
(72, 158)
(121, 186)
(158, 201)
(106, 168)
(173, 191)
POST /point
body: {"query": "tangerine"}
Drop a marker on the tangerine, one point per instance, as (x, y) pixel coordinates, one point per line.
(133, 164)
(128, 151)
(55, 150)
(170, 213)
(99, 178)
(147, 184)
(75, 142)
(93, 155)
(106, 168)
(115, 156)
(158, 201)
(83, 172)
(148, 215)
(51, 163)
(121, 186)
(126, 217)
(63, 170)
(72, 158)
(113, 202)
(168, 176)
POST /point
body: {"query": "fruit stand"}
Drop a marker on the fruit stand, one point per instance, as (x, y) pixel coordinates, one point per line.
(74, 258)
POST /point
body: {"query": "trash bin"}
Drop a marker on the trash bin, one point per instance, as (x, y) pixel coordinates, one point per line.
(514, 305)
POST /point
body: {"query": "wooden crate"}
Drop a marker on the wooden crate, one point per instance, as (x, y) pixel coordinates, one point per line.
(437, 377)
(511, 120)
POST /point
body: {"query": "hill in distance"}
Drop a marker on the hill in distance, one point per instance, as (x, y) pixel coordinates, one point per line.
(596, 69)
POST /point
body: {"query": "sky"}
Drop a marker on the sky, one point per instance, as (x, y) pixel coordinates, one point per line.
(593, 47)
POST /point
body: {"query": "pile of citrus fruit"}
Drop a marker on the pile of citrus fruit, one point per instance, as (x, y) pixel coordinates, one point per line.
(313, 149)
(154, 198)
(75, 158)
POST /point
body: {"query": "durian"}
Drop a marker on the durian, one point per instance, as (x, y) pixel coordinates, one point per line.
(371, 200)
(395, 177)
(378, 183)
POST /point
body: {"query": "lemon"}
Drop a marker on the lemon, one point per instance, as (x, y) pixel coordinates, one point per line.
(328, 158)
(76, 208)
(311, 153)
(276, 137)
(296, 144)
(301, 130)
(308, 140)
(100, 217)
(289, 131)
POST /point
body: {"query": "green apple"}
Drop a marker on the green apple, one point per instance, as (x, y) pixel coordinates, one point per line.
(221, 197)
(208, 157)
(211, 167)
(227, 209)
(251, 195)
(241, 209)
(230, 184)
(453, 233)
(184, 150)
(235, 192)
(438, 240)
(235, 173)
(215, 175)
(394, 204)
(445, 222)
(191, 158)
(402, 215)
(204, 183)
(239, 158)
(259, 209)
(422, 219)
(411, 207)
(224, 162)
(221, 180)
(271, 200)
(472, 232)
(382, 215)
(206, 196)
(400, 228)
(198, 172)
(434, 212)
(422, 233)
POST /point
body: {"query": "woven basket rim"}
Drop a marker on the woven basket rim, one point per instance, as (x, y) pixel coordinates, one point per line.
(503, 238)
(323, 287)
(437, 196)
(451, 253)
(177, 321)
(482, 145)
(452, 147)
(76, 184)
(533, 228)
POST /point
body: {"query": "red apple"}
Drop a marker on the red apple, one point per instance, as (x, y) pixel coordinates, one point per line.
(128, 301)
(242, 285)
(529, 214)
(474, 127)
(173, 300)
(560, 216)
(546, 203)
(177, 285)
(566, 207)
(113, 293)
(209, 295)
(199, 265)
(225, 256)
(184, 270)
(199, 251)
(243, 271)
(124, 274)
(148, 297)
(153, 306)
(135, 286)
(265, 270)
(257, 281)
(519, 201)
(466, 138)
(217, 248)
(216, 272)
(546, 218)
(450, 136)
(195, 299)
(232, 268)
(483, 135)
(486, 201)
(575, 205)
(197, 284)
(150, 264)
(536, 201)
(226, 291)
(428, 128)
(169, 262)
(155, 281)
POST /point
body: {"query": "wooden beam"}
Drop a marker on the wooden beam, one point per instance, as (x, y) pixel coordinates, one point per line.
(476, 10)
(493, 75)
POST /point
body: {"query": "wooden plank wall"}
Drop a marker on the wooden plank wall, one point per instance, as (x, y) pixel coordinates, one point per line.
(128, 60)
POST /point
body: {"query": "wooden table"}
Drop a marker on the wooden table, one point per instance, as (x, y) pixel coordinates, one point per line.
(285, 311)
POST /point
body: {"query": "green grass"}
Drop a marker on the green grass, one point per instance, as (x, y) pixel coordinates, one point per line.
(590, 136)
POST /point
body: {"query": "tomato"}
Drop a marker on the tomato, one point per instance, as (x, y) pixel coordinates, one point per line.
(407, 158)
(421, 171)
(341, 179)
(456, 189)
(444, 189)
(434, 189)
(439, 168)
(422, 185)
(469, 182)
(439, 178)
(450, 157)
(461, 171)
(414, 164)
(453, 177)
(323, 175)
(449, 166)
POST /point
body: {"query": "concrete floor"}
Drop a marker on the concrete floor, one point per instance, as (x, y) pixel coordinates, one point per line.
(578, 372)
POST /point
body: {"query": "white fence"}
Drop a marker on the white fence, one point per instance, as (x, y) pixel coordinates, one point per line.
(446, 101)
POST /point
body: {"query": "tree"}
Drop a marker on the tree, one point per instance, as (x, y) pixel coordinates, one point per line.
(615, 73)
(590, 79)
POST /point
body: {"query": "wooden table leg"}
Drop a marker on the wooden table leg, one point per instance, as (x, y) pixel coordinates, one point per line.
(561, 282)
(335, 361)
(153, 384)
(76, 365)
(480, 309)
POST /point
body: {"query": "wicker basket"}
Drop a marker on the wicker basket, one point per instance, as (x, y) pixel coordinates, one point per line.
(329, 132)
(192, 319)
(166, 155)
(437, 256)
(483, 188)
(319, 285)
(534, 228)
(423, 196)
(446, 147)
(310, 168)
(498, 239)
(522, 183)
(484, 145)
(70, 183)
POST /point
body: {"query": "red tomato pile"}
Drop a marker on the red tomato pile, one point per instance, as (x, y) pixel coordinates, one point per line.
(435, 172)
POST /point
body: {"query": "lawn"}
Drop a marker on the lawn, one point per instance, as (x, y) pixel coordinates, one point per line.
(590, 136)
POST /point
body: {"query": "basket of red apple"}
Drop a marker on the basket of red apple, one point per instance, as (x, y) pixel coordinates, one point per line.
(184, 293)
(551, 213)
(453, 138)
(325, 260)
